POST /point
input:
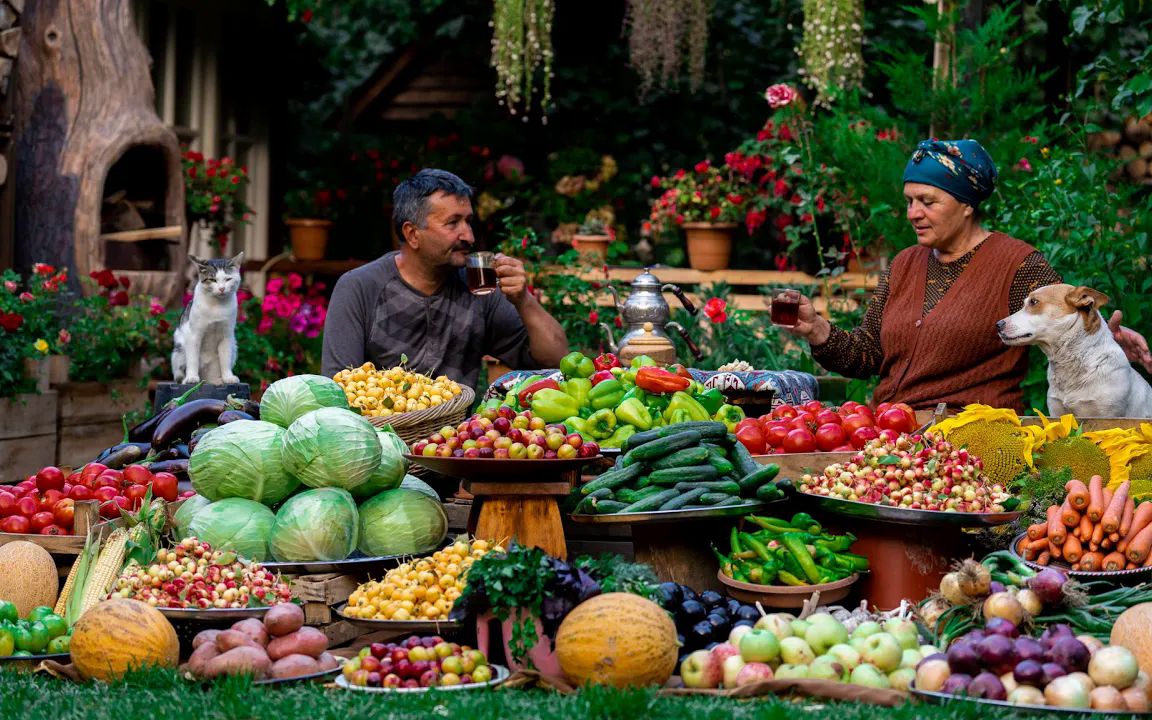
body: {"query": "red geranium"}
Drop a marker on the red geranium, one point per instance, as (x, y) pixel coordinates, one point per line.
(716, 310)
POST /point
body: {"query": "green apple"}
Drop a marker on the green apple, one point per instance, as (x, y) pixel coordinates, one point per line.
(796, 651)
(826, 667)
(866, 628)
(858, 643)
(823, 632)
(910, 659)
(882, 651)
(737, 633)
(904, 631)
(700, 669)
(902, 678)
(799, 627)
(779, 624)
(869, 676)
(786, 671)
(759, 646)
(847, 655)
(732, 666)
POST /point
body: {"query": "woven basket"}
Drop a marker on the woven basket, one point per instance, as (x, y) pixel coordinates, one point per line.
(419, 424)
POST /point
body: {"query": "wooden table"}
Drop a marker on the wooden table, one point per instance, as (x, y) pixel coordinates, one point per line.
(527, 512)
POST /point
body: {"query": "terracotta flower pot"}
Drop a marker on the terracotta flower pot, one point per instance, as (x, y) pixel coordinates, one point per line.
(540, 658)
(309, 237)
(594, 247)
(709, 244)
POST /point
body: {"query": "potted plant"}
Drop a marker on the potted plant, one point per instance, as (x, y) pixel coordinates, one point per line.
(707, 204)
(309, 220)
(32, 312)
(213, 196)
(592, 239)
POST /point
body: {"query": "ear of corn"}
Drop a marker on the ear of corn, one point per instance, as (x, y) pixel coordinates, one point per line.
(62, 601)
(77, 579)
(106, 569)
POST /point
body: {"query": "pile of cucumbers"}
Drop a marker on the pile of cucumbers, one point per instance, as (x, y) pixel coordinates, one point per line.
(686, 466)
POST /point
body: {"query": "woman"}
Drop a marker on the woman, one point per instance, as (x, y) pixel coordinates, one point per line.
(929, 331)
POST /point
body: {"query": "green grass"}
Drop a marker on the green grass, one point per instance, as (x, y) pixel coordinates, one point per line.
(162, 696)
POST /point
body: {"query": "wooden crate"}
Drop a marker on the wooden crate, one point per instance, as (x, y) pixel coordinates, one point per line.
(89, 417)
(319, 593)
(27, 435)
(87, 516)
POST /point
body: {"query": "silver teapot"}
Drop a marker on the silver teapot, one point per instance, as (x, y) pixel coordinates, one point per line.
(646, 304)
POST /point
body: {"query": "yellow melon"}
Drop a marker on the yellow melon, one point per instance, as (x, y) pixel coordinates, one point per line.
(1133, 630)
(119, 635)
(617, 639)
(28, 576)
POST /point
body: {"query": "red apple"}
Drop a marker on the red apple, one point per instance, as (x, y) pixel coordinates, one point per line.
(15, 524)
(830, 436)
(49, 478)
(800, 441)
(27, 506)
(7, 503)
(41, 520)
(860, 437)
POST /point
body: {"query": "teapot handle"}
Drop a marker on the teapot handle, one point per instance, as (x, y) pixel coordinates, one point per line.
(675, 290)
(692, 347)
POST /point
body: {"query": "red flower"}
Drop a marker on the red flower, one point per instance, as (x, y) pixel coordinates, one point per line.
(806, 218)
(754, 219)
(702, 166)
(714, 212)
(819, 203)
(655, 181)
(715, 309)
(735, 199)
(10, 286)
(306, 16)
(119, 298)
(780, 95)
(125, 282)
(11, 321)
(1024, 165)
(680, 173)
(782, 221)
(593, 317)
(64, 336)
(42, 269)
(785, 133)
(781, 189)
(104, 278)
(619, 322)
(27, 297)
(796, 199)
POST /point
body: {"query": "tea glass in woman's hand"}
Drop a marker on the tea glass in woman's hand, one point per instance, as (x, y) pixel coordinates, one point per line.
(785, 307)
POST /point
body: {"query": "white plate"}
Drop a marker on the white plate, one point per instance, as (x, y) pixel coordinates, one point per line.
(499, 675)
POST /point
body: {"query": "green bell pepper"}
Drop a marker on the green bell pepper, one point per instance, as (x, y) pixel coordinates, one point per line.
(575, 424)
(578, 388)
(682, 405)
(635, 392)
(642, 361)
(616, 439)
(601, 425)
(730, 415)
(712, 400)
(635, 413)
(607, 394)
(554, 405)
(577, 365)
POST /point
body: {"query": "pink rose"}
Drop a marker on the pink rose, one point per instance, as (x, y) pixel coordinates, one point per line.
(274, 285)
(779, 95)
(155, 307)
(10, 286)
(295, 281)
(27, 297)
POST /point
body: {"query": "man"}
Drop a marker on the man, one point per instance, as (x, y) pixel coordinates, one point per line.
(415, 302)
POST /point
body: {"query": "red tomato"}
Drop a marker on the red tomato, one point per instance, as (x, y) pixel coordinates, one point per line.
(853, 422)
(776, 433)
(747, 422)
(7, 503)
(80, 492)
(848, 407)
(106, 481)
(91, 471)
(784, 411)
(104, 494)
(881, 408)
(15, 524)
(889, 436)
(27, 506)
(109, 510)
(165, 485)
(865, 411)
(752, 438)
(41, 520)
(137, 475)
(830, 436)
(135, 495)
(906, 408)
(803, 420)
(49, 499)
(54, 530)
(814, 406)
(861, 435)
(49, 478)
(827, 416)
(64, 512)
(800, 441)
(896, 419)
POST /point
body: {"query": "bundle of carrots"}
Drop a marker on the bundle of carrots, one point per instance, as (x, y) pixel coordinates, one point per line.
(1095, 530)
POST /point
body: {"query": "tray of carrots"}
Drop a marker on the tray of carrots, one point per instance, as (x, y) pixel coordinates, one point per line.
(1095, 533)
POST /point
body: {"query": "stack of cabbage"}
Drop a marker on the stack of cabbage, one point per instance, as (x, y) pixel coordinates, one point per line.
(311, 481)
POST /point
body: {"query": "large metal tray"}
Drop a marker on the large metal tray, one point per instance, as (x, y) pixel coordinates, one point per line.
(349, 566)
(493, 470)
(323, 675)
(659, 516)
(58, 657)
(211, 614)
(1135, 576)
(940, 698)
(905, 516)
(499, 675)
(413, 626)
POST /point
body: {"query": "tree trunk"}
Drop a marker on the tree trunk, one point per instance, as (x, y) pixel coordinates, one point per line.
(86, 129)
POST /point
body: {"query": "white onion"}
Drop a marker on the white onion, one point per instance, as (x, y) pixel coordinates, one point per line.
(1067, 691)
(1113, 665)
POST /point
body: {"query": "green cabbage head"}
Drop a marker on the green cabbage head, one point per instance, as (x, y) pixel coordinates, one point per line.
(188, 509)
(235, 524)
(331, 447)
(242, 459)
(392, 467)
(401, 522)
(321, 524)
(289, 398)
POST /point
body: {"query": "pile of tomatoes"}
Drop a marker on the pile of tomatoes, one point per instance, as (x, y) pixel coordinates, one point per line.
(816, 427)
(45, 503)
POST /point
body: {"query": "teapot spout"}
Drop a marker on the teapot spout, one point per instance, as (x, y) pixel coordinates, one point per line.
(619, 305)
(611, 341)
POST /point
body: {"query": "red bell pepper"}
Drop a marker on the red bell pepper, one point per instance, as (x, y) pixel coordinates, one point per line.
(525, 396)
(600, 376)
(607, 361)
(659, 380)
(681, 371)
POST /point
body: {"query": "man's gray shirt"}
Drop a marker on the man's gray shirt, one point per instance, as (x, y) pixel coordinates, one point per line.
(375, 316)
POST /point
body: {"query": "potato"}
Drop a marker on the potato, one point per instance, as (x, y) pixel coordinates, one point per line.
(328, 661)
(204, 636)
(294, 665)
(200, 657)
(246, 659)
(254, 629)
(283, 619)
(305, 641)
(230, 639)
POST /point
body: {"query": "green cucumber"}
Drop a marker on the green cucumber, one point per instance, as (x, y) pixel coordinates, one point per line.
(613, 479)
(725, 501)
(762, 474)
(635, 440)
(722, 464)
(694, 473)
(608, 507)
(652, 502)
(586, 501)
(743, 459)
(769, 492)
(631, 496)
(727, 487)
(682, 458)
(685, 499)
(657, 449)
(714, 498)
(709, 430)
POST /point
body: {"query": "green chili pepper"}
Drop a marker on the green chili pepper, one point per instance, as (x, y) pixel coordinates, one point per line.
(805, 523)
(756, 546)
(789, 579)
(795, 545)
(771, 524)
(734, 539)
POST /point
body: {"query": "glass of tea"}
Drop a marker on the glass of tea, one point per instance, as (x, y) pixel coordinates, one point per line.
(481, 273)
(785, 307)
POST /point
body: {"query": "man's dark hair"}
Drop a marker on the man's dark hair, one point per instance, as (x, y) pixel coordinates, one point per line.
(409, 199)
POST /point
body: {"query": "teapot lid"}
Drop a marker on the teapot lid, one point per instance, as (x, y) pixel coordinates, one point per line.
(649, 338)
(646, 281)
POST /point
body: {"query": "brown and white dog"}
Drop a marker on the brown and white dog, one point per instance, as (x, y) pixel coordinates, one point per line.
(1088, 373)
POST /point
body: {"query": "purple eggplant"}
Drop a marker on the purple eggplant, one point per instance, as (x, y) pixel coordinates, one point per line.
(232, 416)
(179, 424)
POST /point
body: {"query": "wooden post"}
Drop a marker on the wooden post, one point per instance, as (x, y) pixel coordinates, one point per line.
(943, 53)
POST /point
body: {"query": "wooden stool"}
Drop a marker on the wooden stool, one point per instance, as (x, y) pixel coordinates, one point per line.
(527, 512)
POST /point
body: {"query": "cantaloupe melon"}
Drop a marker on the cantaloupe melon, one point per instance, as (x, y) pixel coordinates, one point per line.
(119, 635)
(1133, 630)
(28, 576)
(617, 639)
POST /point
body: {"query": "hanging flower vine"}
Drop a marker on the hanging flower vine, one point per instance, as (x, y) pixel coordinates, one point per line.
(831, 50)
(521, 48)
(661, 31)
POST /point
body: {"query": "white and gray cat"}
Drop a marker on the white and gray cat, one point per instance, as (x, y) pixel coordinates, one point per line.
(205, 340)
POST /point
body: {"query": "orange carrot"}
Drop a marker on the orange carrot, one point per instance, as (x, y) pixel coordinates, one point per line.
(1044, 558)
(1056, 530)
(1138, 547)
(1106, 543)
(1068, 516)
(1140, 519)
(1113, 561)
(1037, 531)
(1077, 494)
(1126, 519)
(1021, 545)
(1038, 545)
(1090, 562)
(1072, 549)
(1054, 550)
(1085, 528)
(1115, 511)
(1130, 565)
(1095, 498)
(1114, 538)
(1097, 534)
